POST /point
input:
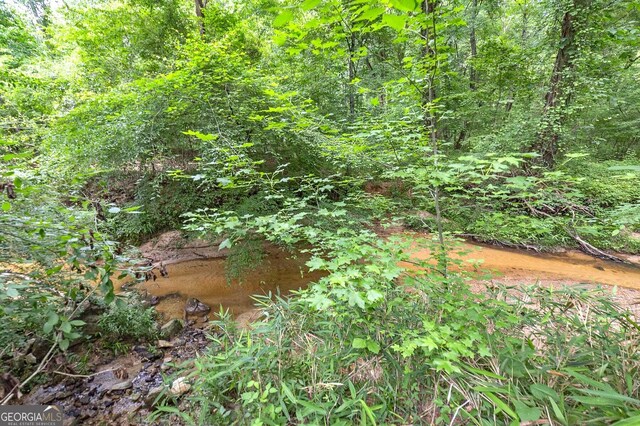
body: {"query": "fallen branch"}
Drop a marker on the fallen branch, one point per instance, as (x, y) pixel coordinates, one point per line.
(40, 368)
(15, 391)
(535, 211)
(84, 376)
(593, 251)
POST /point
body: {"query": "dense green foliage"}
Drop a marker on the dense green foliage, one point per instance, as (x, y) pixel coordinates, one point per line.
(427, 356)
(306, 124)
(128, 320)
(379, 341)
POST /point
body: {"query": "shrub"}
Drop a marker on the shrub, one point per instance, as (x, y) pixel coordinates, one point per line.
(128, 319)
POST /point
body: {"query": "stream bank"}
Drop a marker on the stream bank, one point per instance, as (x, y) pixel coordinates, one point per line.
(280, 272)
(122, 390)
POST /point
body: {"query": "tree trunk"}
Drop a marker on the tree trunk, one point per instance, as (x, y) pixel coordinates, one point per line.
(200, 5)
(553, 113)
(429, 54)
(352, 74)
(473, 42)
(473, 75)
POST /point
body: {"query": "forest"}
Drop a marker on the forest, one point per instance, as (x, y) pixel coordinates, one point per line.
(321, 212)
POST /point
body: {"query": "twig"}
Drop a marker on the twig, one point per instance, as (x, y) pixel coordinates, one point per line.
(453, 419)
(47, 357)
(535, 211)
(85, 376)
(41, 367)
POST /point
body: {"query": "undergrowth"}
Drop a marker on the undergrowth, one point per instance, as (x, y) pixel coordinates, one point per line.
(492, 199)
(128, 319)
(370, 351)
(384, 338)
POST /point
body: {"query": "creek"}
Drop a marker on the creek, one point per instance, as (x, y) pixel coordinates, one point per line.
(204, 279)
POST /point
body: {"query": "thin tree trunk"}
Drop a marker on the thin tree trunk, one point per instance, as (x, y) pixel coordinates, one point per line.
(430, 54)
(200, 5)
(523, 36)
(473, 42)
(352, 74)
(473, 75)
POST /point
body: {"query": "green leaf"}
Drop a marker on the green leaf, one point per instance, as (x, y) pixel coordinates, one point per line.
(610, 395)
(370, 14)
(631, 421)
(53, 270)
(373, 295)
(484, 373)
(542, 392)
(64, 344)
(309, 4)
(592, 401)
(51, 322)
(397, 22)
(359, 343)
(66, 327)
(6, 206)
(557, 411)
(283, 19)
(225, 244)
(368, 412)
(223, 181)
(201, 136)
(373, 346)
(356, 299)
(310, 408)
(577, 155)
(526, 413)
(588, 381)
(501, 405)
(12, 292)
(316, 263)
(288, 393)
(405, 5)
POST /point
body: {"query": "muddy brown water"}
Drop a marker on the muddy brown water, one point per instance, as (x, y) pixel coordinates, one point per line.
(571, 266)
(205, 279)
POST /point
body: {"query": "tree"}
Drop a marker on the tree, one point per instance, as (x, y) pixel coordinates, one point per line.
(559, 95)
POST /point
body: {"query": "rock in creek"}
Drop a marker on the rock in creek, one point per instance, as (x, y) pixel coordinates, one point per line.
(153, 394)
(195, 307)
